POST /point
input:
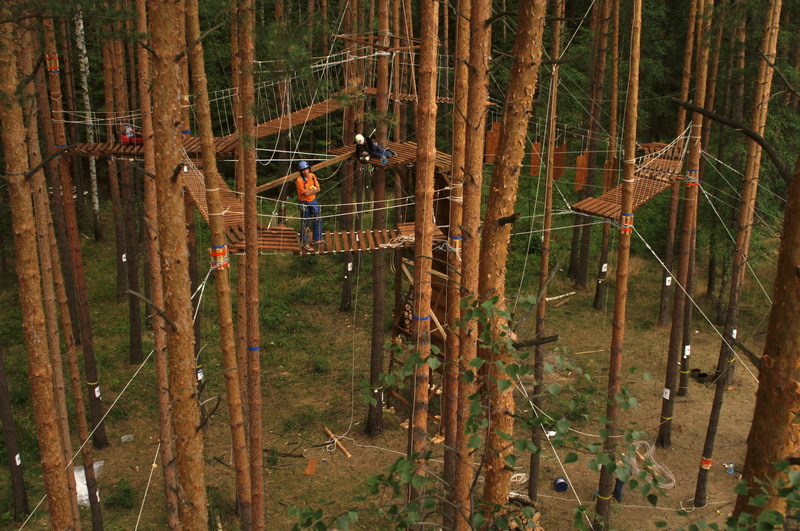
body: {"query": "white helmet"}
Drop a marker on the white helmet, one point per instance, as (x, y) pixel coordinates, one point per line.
(359, 138)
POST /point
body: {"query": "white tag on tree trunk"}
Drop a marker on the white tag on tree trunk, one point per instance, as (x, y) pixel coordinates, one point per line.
(124, 258)
(604, 268)
(665, 394)
(668, 281)
(97, 391)
(733, 333)
(349, 266)
(199, 375)
(687, 350)
(18, 459)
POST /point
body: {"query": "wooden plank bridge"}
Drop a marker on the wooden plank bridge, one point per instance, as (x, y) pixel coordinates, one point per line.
(281, 238)
(660, 167)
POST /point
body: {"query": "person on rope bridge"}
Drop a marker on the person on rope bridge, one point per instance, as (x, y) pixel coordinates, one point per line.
(307, 190)
(366, 148)
(131, 136)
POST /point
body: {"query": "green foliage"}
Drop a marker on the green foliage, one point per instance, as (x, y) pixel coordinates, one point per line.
(121, 495)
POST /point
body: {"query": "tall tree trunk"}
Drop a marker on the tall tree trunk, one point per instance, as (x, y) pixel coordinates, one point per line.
(27, 265)
(774, 433)
(348, 130)
(479, 47)
(248, 141)
(675, 191)
(589, 125)
(46, 124)
(68, 74)
(423, 234)
(726, 357)
(688, 329)
(41, 206)
(611, 163)
(75, 378)
(165, 22)
(241, 273)
(664, 439)
(112, 130)
(451, 373)
(222, 281)
(606, 482)
(130, 256)
(71, 223)
(595, 111)
(153, 250)
(83, 68)
(544, 268)
(13, 458)
(375, 413)
(496, 238)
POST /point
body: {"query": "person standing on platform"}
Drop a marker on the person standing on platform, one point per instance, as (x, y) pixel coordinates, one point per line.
(307, 190)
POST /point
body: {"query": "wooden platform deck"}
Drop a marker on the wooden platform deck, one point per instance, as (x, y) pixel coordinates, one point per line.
(658, 170)
(225, 146)
(405, 155)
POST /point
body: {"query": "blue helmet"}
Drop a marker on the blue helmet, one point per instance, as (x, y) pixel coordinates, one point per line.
(302, 165)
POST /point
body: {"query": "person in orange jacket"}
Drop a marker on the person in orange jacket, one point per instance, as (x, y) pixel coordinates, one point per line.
(307, 190)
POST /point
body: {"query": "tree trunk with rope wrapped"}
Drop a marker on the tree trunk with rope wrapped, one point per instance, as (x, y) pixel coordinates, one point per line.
(220, 258)
(607, 477)
(164, 25)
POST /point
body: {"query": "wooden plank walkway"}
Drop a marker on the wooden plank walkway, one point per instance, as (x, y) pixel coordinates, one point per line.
(405, 155)
(658, 170)
(225, 145)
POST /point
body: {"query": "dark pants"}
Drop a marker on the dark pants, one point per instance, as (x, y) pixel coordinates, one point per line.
(310, 212)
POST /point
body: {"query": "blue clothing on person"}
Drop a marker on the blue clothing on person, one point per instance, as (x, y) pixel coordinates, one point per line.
(310, 212)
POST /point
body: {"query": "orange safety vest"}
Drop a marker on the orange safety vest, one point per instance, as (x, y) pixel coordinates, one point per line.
(307, 189)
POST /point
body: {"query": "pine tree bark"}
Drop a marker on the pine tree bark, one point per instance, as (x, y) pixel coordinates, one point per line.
(595, 111)
(726, 357)
(13, 458)
(156, 293)
(544, 267)
(222, 281)
(458, 154)
(30, 299)
(113, 168)
(479, 48)
(349, 131)
(41, 205)
(375, 412)
(602, 272)
(774, 434)
(423, 234)
(675, 190)
(165, 22)
(496, 238)
(248, 154)
(664, 439)
(606, 482)
(99, 438)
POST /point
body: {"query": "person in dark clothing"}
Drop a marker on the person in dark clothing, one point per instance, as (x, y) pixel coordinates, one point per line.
(369, 147)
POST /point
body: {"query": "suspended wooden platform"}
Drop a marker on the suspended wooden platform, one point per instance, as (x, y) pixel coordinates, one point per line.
(658, 170)
(405, 155)
(357, 241)
(224, 146)
(373, 91)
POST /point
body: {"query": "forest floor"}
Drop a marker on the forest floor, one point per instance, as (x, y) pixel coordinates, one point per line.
(315, 360)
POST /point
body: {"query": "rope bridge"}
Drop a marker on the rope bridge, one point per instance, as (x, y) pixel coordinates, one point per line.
(659, 168)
